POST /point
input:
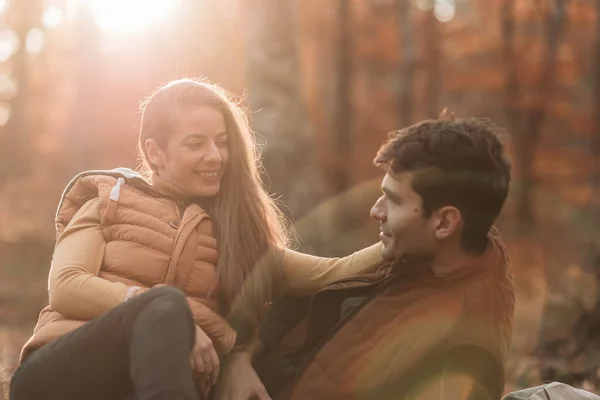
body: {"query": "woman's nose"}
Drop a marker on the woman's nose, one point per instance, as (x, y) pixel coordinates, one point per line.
(213, 154)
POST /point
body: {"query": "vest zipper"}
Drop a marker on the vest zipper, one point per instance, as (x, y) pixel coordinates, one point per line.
(180, 237)
(181, 207)
(311, 355)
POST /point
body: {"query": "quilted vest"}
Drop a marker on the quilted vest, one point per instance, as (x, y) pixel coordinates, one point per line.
(150, 239)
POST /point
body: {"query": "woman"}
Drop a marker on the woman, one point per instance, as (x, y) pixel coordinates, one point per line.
(148, 274)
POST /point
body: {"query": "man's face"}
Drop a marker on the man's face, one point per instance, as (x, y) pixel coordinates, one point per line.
(404, 231)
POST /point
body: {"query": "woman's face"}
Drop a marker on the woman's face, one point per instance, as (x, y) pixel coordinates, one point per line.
(197, 151)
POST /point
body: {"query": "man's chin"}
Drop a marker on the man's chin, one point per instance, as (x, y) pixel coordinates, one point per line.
(387, 253)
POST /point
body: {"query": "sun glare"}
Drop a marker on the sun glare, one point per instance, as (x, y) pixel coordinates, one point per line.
(131, 15)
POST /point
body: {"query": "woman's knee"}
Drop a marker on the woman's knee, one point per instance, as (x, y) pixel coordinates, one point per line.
(170, 293)
(19, 389)
(170, 302)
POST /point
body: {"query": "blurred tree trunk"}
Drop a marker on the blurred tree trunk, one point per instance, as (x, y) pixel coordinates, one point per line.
(15, 140)
(85, 117)
(343, 135)
(527, 123)
(595, 198)
(406, 72)
(279, 112)
(513, 112)
(433, 58)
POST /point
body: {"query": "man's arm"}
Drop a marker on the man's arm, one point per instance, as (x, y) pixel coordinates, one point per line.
(464, 372)
(450, 386)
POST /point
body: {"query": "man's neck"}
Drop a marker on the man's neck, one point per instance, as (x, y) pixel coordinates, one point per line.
(450, 259)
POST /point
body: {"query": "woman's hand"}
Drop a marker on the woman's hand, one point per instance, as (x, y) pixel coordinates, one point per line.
(239, 381)
(205, 361)
(204, 358)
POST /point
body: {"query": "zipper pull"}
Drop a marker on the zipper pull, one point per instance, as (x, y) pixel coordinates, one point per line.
(182, 206)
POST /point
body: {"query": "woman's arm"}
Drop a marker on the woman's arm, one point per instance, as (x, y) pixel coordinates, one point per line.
(304, 274)
(74, 288)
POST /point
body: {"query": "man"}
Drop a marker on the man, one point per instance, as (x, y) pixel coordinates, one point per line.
(437, 320)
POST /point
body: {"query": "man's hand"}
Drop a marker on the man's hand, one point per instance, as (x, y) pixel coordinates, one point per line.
(205, 361)
(239, 380)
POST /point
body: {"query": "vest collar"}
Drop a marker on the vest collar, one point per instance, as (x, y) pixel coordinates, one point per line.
(168, 189)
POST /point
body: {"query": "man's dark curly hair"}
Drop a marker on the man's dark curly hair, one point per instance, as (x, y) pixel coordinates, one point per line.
(460, 163)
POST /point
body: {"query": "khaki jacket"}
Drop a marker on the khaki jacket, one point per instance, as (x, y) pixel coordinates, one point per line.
(411, 317)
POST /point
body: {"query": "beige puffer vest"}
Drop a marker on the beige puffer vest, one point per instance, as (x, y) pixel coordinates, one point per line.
(150, 239)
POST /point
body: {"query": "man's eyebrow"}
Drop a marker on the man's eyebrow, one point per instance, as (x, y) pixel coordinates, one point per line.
(389, 193)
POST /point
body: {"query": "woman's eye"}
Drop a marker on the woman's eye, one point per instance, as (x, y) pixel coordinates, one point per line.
(222, 142)
(194, 145)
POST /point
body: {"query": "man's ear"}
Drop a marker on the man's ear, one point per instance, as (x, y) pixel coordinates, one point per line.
(448, 222)
(155, 155)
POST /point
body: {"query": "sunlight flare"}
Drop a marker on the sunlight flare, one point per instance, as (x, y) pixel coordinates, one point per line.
(123, 16)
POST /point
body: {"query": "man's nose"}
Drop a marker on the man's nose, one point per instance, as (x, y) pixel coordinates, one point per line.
(377, 211)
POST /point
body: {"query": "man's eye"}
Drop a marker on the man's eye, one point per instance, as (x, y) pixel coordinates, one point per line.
(393, 200)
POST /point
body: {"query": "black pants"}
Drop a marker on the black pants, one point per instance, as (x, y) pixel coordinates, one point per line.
(140, 349)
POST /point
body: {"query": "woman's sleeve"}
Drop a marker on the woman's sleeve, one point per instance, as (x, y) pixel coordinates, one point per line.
(305, 274)
(74, 288)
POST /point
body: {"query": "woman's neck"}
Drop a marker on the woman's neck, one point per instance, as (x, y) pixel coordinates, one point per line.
(176, 193)
(169, 189)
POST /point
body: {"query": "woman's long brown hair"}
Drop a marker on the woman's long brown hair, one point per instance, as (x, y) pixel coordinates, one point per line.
(250, 228)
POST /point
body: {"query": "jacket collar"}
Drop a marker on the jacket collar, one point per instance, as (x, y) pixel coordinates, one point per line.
(165, 187)
(174, 192)
(493, 259)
